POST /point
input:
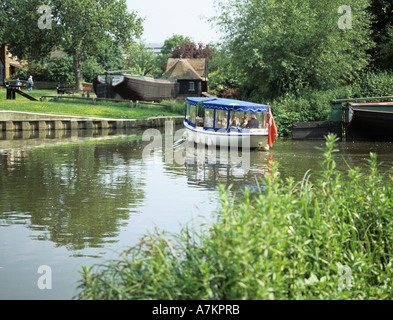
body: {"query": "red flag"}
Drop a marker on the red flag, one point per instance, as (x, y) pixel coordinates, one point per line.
(272, 133)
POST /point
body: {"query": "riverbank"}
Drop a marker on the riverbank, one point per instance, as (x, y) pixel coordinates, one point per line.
(81, 108)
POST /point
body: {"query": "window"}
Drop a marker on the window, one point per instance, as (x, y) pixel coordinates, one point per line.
(209, 118)
(248, 120)
(193, 110)
(221, 119)
(192, 86)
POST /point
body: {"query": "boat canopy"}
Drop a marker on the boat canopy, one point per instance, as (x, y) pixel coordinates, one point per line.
(227, 104)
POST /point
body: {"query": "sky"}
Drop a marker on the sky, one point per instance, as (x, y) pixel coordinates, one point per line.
(164, 18)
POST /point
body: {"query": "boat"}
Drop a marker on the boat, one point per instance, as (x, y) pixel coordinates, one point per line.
(134, 87)
(231, 123)
(370, 121)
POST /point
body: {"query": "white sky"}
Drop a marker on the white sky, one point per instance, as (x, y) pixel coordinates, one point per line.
(164, 18)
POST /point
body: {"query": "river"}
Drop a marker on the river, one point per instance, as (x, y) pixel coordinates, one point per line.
(81, 199)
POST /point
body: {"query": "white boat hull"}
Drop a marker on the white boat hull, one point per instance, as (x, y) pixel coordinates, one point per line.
(257, 139)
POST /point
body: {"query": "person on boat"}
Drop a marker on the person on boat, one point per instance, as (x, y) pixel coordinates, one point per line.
(234, 122)
(209, 120)
(224, 123)
(244, 124)
(253, 123)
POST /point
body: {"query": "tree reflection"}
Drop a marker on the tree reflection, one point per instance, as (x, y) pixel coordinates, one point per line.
(76, 195)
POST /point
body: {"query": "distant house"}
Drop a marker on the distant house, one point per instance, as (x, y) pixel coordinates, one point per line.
(191, 74)
(9, 65)
(155, 47)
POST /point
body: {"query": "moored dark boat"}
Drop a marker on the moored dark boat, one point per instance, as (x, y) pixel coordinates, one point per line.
(133, 87)
(371, 121)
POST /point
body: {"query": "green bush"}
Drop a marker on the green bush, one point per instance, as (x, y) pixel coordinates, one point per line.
(374, 84)
(328, 236)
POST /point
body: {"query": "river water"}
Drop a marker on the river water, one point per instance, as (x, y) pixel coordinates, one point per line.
(80, 199)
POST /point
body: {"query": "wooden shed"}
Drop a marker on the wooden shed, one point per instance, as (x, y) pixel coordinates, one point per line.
(191, 74)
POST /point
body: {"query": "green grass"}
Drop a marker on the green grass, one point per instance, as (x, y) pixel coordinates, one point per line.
(328, 236)
(102, 109)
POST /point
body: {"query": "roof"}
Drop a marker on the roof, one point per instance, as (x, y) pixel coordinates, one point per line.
(228, 104)
(16, 65)
(58, 54)
(181, 70)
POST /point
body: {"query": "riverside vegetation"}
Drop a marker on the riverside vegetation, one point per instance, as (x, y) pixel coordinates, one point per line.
(290, 241)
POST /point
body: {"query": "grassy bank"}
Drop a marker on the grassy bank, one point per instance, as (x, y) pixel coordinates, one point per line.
(328, 236)
(102, 109)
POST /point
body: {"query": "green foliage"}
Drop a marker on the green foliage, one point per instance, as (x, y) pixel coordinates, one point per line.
(289, 242)
(166, 52)
(59, 70)
(374, 84)
(286, 46)
(21, 31)
(81, 27)
(174, 107)
(382, 33)
(140, 59)
(224, 74)
(90, 69)
(111, 58)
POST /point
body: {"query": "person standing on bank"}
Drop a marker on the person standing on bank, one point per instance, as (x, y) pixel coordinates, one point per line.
(17, 83)
(31, 83)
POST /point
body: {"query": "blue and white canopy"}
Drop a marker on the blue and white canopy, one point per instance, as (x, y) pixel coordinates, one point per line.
(228, 104)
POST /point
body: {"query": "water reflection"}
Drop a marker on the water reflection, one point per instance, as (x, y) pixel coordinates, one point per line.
(71, 193)
(207, 174)
(70, 200)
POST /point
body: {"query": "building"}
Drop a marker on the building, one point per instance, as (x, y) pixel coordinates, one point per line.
(9, 65)
(155, 47)
(191, 74)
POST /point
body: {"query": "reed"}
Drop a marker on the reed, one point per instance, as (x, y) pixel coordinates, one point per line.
(328, 236)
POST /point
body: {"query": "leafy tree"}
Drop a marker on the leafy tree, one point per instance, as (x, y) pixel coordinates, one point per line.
(90, 68)
(286, 45)
(111, 58)
(60, 70)
(191, 51)
(223, 74)
(166, 52)
(382, 33)
(83, 28)
(87, 26)
(20, 29)
(140, 59)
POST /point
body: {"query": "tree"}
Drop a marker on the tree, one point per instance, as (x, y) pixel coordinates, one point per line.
(111, 58)
(83, 28)
(87, 26)
(382, 33)
(140, 59)
(190, 50)
(166, 52)
(223, 74)
(287, 45)
(21, 32)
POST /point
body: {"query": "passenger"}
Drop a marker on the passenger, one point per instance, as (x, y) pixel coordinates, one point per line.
(244, 124)
(253, 123)
(209, 120)
(224, 123)
(234, 122)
